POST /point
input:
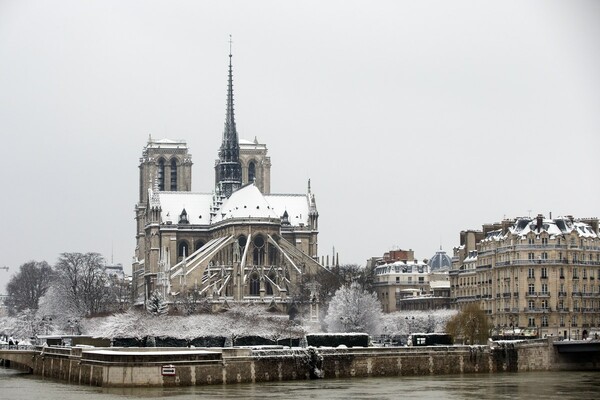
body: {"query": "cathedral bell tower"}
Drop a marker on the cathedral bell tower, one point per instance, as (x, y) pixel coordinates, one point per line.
(228, 169)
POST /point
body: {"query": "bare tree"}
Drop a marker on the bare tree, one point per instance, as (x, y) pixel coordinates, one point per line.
(470, 325)
(27, 287)
(84, 282)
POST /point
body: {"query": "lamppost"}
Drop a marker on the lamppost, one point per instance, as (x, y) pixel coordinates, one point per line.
(409, 322)
(344, 321)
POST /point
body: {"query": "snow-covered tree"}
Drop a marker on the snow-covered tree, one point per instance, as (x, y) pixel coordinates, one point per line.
(354, 310)
(403, 323)
(156, 304)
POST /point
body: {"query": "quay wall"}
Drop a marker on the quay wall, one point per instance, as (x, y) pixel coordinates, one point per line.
(120, 367)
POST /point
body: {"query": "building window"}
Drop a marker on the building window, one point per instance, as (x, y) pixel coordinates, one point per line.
(584, 273)
(575, 273)
(174, 175)
(544, 288)
(544, 241)
(544, 272)
(254, 284)
(531, 304)
(562, 273)
(160, 175)
(531, 322)
(544, 320)
(562, 321)
(531, 240)
(544, 304)
(251, 172)
(531, 289)
(183, 249)
(259, 250)
(531, 256)
(531, 273)
(544, 256)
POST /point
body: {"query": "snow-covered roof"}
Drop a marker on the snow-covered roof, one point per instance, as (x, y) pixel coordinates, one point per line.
(251, 144)
(297, 206)
(166, 144)
(197, 206)
(401, 267)
(247, 202)
(496, 235)
(554, 227)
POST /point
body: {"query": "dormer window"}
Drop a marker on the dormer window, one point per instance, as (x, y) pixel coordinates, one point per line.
(183, 217)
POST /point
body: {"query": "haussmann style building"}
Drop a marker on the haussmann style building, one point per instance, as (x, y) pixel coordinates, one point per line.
(532, 276)
(238, 243)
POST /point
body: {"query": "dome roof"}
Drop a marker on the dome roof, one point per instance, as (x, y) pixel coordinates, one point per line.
(439, 261)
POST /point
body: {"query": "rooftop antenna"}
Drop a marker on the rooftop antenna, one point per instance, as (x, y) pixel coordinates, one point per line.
(230, 43)
(529, 211)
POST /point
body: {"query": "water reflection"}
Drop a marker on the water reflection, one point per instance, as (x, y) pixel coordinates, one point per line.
(545, 385)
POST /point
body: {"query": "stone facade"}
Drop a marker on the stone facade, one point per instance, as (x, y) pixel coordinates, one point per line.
(237, 243)
(403, 283)
(532, 276)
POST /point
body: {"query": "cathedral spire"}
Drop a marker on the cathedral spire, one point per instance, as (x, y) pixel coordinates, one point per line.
(228, 171)
(230, 133)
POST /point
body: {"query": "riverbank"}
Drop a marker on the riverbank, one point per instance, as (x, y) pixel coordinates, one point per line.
(137, 367)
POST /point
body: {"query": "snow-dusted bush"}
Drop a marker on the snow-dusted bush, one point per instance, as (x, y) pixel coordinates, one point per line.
(239, 321)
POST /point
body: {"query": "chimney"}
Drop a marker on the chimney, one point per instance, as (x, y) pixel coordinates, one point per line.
(540, 221)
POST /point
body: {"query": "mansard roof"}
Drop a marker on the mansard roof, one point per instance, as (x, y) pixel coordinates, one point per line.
(553, 227)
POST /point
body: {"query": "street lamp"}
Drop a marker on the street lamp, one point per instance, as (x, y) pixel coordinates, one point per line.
(409, 322)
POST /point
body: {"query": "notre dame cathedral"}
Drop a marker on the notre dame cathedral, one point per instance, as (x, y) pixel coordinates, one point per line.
(239, 243)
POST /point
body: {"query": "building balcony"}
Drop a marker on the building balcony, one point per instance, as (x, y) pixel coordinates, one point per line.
(562, 294)
(537, 310)
(505, 294)
(537, 294)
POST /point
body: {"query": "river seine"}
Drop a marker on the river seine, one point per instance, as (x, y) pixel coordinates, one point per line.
(525, 385)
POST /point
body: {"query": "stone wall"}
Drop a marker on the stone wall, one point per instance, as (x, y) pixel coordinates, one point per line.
(115, 367)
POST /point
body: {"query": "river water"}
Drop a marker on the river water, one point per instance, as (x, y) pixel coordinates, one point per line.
(525, 385)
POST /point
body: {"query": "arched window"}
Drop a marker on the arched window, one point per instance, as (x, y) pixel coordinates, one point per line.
(259, 250)
(183, 248)
(199, 245)
(174, 175)
(251, 172)
(268, 286)
(161, 175)
(254, 284)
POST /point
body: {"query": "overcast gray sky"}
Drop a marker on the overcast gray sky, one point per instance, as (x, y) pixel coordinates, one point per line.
(413, 119)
